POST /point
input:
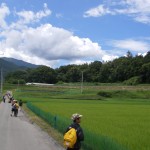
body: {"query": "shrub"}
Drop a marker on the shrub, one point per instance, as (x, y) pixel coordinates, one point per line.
(133, 81)
(15, 81)
(104, 94)
(60, 82)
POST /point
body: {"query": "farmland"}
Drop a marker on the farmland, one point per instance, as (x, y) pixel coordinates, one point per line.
(127, 123)
(119, 113)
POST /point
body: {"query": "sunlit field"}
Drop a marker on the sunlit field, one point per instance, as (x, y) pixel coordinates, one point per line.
(127, 123)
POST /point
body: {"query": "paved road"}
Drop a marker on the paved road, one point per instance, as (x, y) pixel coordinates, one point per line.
(17, 133)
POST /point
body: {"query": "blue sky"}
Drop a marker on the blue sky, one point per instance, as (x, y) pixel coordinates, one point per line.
(56, 33)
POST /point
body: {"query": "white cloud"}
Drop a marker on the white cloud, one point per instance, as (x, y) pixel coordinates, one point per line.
(45, 44)
(10, 52)
(58, 15)
(97, 11)
(4, 11)
(139, 10)
(131, 45)
(52, 43)
(107, 57)
(30, 16)
(143, 18)
(80, 62)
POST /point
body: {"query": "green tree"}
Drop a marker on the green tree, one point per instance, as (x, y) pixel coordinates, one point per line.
(74, 74)
(94, 71)
(16, 76)
(145, 73)
(105, 73)
(147, 57)
(42, 74)
(62, 73)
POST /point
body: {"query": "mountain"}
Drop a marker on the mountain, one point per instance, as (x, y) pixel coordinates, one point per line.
(20, 63)
(10, 64)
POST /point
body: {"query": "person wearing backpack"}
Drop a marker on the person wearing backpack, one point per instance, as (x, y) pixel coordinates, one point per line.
(79, 132)
(16, 106)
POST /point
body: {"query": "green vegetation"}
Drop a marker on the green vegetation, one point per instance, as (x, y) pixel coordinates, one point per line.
(127, 123)
(130, 70)
(116, 115)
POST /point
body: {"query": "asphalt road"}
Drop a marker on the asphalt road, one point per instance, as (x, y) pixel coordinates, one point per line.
(17, 133)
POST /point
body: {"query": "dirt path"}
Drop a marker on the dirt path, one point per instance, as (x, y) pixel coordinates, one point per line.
(17, 133)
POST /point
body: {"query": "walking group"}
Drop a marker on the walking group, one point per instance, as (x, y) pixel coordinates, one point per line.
(73, 135)
(15, 105)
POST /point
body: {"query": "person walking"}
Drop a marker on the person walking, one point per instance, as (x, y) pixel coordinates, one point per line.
(76, 118)
(15, 108)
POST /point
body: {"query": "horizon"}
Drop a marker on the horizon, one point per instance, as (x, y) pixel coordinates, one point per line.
(54, 33)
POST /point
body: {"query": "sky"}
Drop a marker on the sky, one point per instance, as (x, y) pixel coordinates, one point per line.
(61, 32)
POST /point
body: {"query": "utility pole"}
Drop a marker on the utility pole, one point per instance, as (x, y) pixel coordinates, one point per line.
(82, 83)
(1, 82)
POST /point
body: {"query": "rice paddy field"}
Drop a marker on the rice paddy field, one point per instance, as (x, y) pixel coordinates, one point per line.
(119, 113)
(127, 123)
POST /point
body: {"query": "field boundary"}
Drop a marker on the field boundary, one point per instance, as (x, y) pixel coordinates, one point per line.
(92, 140)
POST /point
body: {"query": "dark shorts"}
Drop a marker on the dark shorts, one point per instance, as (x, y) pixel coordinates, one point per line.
(13, 109)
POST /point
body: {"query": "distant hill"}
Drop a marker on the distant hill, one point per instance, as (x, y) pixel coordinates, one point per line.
(11, 64)
(20, 63)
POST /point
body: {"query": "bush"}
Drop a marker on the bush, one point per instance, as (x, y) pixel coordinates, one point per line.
(22, 81)
(60, 82)
(104, 94)
(133, 81)
(15, 81)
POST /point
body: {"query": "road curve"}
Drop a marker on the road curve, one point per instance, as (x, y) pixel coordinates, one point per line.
(17, 133)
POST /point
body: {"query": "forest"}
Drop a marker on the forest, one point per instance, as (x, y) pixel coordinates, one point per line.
(129, 69)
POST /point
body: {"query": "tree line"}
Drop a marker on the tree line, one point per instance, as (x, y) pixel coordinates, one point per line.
(127, 69)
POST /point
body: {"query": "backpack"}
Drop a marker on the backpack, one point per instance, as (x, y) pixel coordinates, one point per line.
(70, 138)
(16, 106)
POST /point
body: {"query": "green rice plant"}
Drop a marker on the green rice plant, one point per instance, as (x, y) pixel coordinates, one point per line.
(123, 118)
(93, 141)
(126, 123)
